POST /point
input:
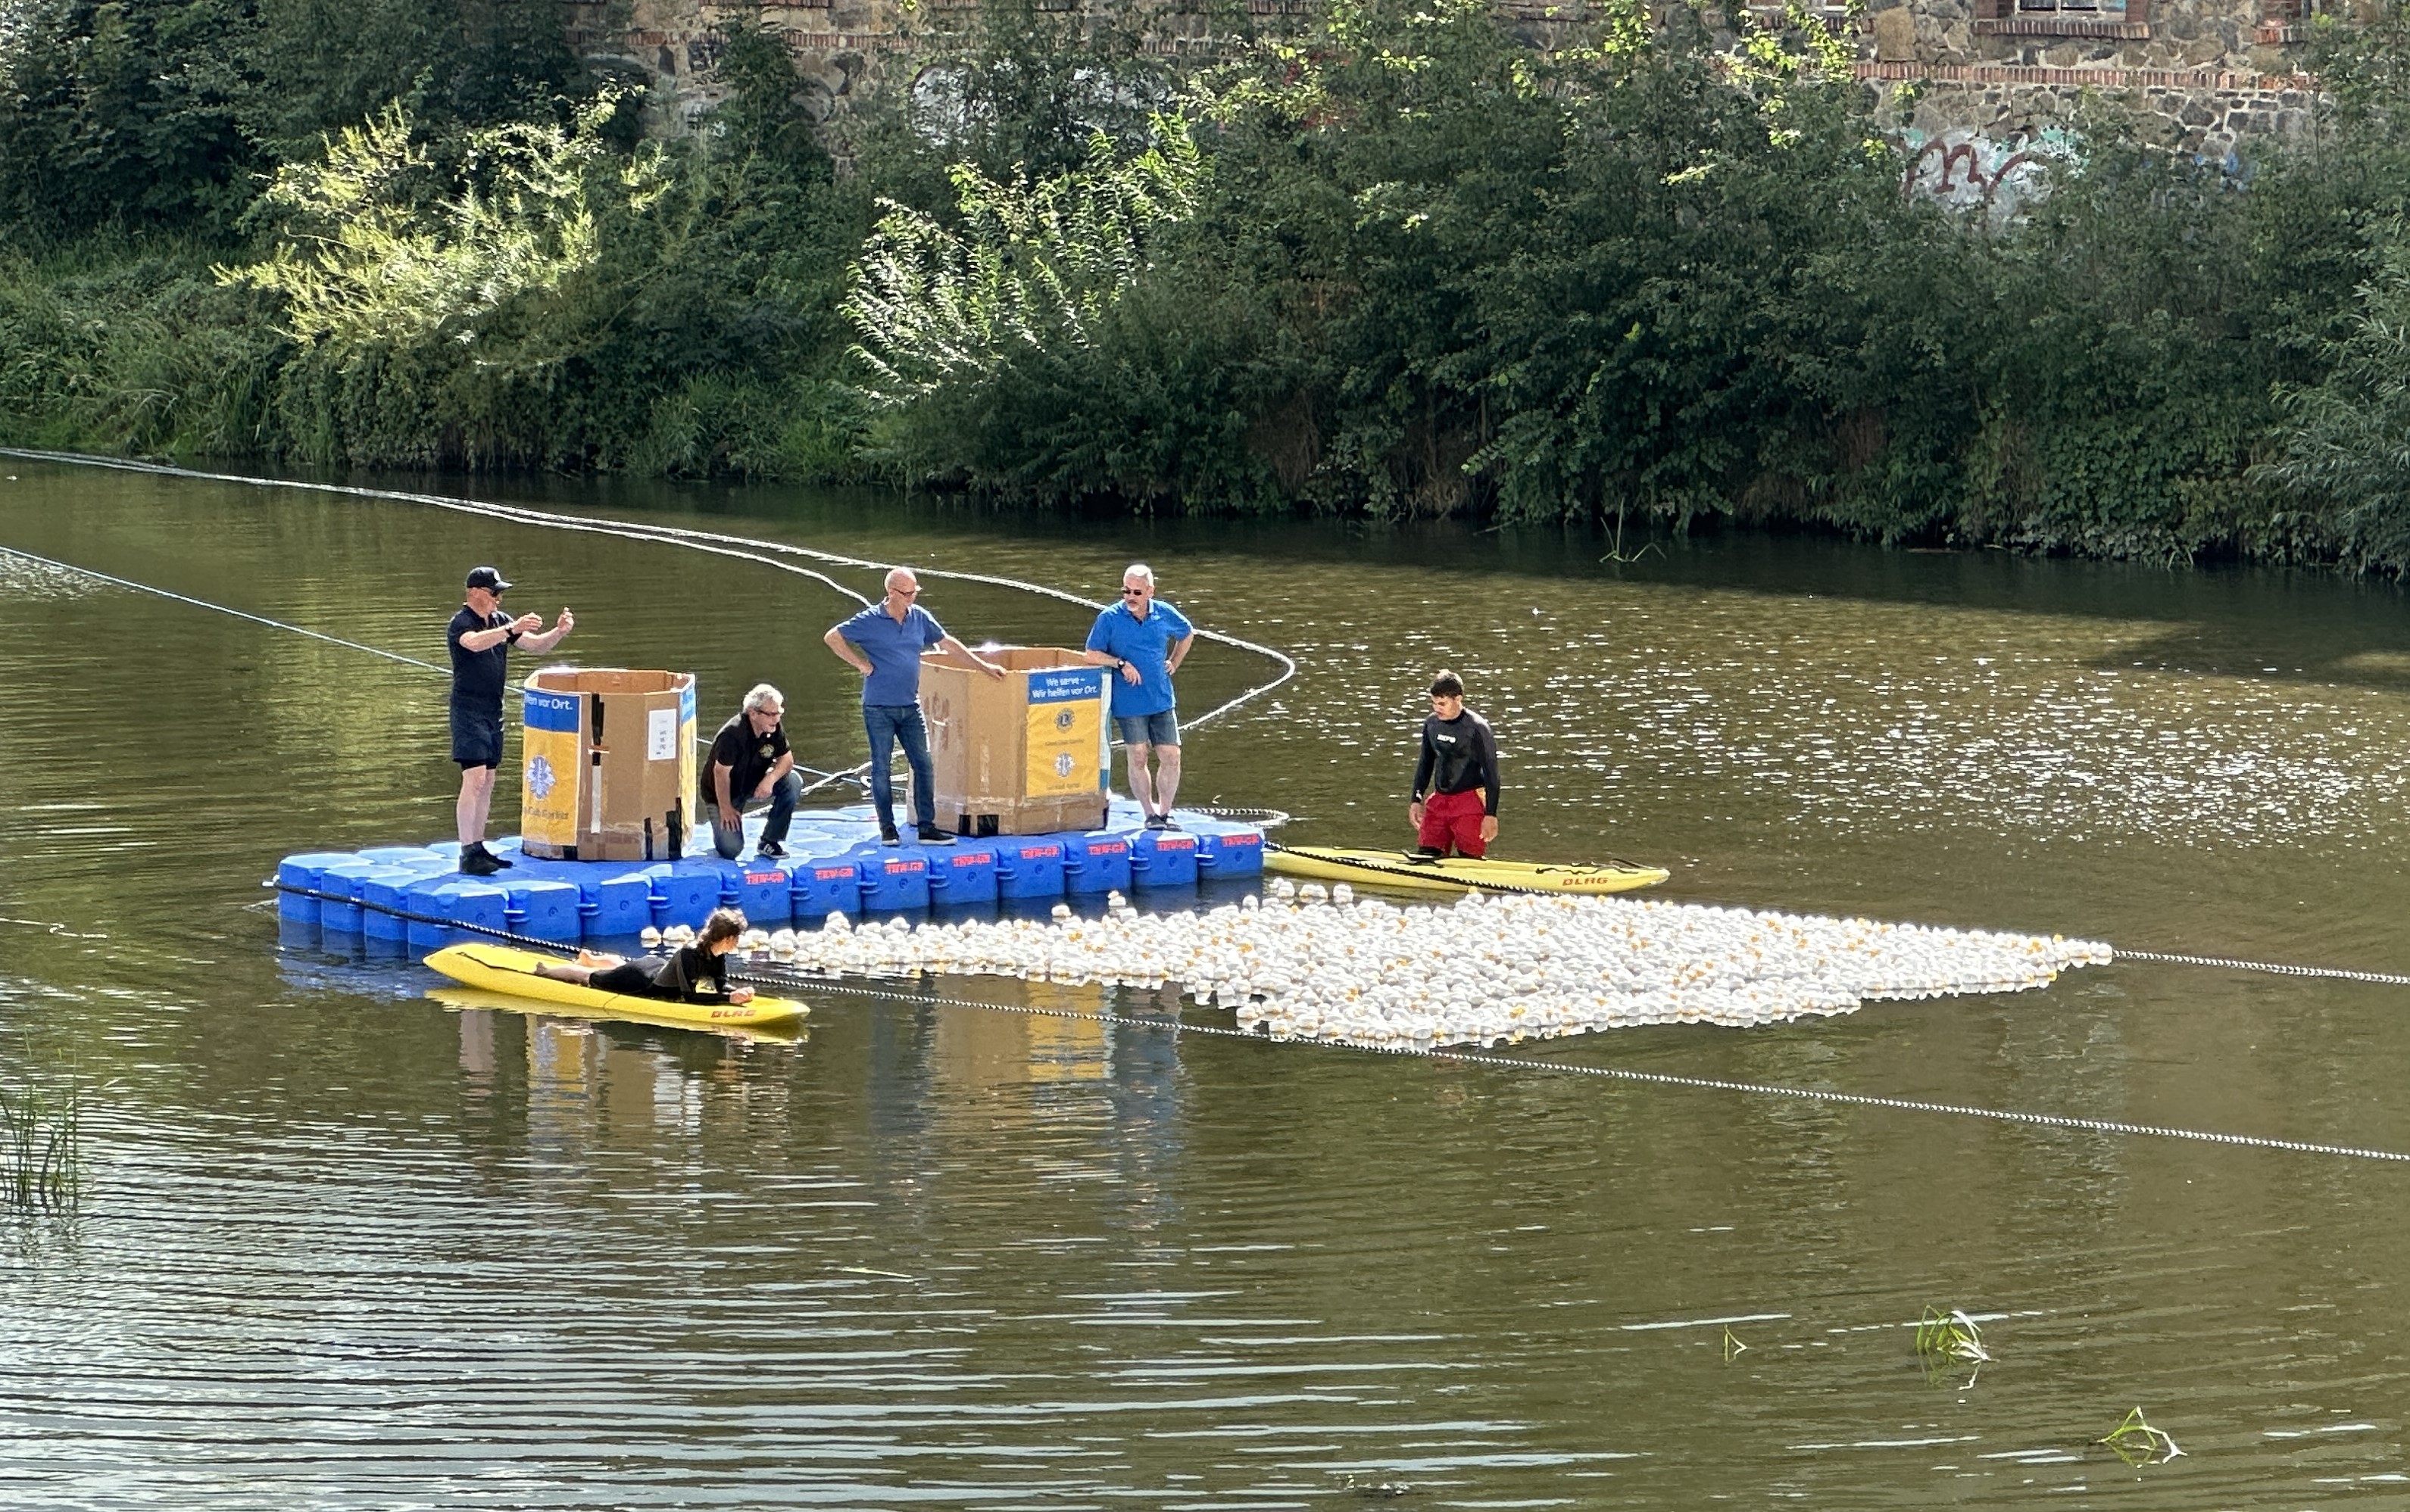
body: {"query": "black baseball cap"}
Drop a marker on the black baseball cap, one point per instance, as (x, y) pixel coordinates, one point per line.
(486, 578)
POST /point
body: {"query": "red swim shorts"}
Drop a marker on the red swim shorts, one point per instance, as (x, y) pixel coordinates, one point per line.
(1453, 819)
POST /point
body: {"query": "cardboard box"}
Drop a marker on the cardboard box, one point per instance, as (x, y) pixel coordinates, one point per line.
(1027, 755)
(610, 764)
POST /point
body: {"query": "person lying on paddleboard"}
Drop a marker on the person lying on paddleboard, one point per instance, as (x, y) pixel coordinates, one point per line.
(1458, 770)
(691, 973)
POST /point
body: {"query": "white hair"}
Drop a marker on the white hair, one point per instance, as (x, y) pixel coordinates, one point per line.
(1140, 571)
(762, 693)
(894, 572)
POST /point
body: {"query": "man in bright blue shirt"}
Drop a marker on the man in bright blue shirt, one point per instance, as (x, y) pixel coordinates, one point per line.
(1147, 641)
(884, 643)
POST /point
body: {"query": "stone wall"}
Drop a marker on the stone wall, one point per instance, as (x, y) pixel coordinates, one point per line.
(2210, 72)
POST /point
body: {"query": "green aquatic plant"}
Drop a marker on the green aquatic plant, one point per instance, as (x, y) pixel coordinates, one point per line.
(2136, 1442)
(41, 1141)
(1734, 1348)
(1945, 1340)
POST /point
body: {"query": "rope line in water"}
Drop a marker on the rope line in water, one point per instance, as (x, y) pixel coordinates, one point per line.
(755, 974)
(717, 543)
(203, 603)
(2336, 974)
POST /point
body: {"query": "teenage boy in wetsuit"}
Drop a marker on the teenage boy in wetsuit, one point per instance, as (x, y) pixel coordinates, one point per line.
(691, 973)
(1458, 770)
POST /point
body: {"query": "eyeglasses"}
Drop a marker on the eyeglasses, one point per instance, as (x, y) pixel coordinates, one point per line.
(904, 593)
(771, 713)
(1133, 593)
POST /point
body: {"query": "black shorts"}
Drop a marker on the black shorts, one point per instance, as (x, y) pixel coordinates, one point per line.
(627, 978)
(477, 737)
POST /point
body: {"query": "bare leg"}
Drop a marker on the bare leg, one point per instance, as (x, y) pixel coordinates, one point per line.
(560, 971)
(1142, 783)
(476, 800)
(1167, 777)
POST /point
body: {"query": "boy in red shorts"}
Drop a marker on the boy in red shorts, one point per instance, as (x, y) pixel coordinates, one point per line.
(1458, 770)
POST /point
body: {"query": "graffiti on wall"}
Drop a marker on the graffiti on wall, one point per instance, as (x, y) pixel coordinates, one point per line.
(1997, 176)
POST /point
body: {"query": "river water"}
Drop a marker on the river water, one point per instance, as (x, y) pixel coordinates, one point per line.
(346, 1246)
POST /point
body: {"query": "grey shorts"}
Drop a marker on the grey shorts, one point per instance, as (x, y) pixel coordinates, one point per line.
(1149, 729)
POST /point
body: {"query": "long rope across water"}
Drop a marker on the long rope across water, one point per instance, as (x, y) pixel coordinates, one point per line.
(742, 548)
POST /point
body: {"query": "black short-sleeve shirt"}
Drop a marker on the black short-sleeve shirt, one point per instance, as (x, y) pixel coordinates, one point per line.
(748, 757)
(478, 676)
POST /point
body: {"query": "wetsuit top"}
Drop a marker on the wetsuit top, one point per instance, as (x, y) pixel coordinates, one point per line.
(1145, 644)
(478, 676)
(895, 651)
(1458, 755)
(748, 757)
(688, 974)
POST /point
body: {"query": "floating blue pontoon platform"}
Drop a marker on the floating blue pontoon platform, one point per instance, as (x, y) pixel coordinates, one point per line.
(414, 897)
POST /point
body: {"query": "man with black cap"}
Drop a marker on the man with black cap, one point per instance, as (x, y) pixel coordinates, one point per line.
(482, 637)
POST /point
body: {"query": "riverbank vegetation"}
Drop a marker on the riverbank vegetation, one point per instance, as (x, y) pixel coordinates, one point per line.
(1400, 261)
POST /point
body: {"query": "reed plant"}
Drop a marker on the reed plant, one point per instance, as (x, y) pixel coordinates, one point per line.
(2136, 1442)
(41, 1141)
(1945, 1340)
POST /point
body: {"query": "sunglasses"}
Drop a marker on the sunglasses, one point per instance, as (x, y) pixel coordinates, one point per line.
(1133, 593)
(904, 593)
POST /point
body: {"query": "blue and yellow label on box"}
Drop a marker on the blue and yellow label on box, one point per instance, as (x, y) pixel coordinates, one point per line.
(548, 804)
(1066, 740)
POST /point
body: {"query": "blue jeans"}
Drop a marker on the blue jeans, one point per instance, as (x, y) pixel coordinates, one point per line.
(889, 723)
(729, 843)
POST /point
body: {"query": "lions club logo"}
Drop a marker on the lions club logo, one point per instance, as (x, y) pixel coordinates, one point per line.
(1062, 720)
(540, 778)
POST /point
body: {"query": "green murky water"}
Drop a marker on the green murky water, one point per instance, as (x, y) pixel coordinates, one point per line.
(349, 1247)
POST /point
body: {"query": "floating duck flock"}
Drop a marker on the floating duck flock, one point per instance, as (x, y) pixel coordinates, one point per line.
(1327, 967)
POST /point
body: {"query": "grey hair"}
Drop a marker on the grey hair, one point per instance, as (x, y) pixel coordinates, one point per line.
(762, 693)
(894, 572)
(1140, 571)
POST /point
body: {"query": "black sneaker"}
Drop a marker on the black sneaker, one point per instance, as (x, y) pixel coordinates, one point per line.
(476, 861)
(1156, 821)
(1170, 823)
(770, 850)
(1425, 855)
(931, 835)
(887, 835)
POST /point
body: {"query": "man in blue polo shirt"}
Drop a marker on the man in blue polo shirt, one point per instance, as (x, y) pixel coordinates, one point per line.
(884, 643)
(1147, 641)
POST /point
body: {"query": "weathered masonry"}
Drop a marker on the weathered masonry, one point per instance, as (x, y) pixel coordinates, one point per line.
(2009, 71)
(2211, 71)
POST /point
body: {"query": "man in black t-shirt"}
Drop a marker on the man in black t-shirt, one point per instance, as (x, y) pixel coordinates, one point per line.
(750, 766)
(481, 639)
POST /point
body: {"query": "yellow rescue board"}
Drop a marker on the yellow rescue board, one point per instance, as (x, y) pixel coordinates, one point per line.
(512, 973)
(785, 1032)
(1398, 869)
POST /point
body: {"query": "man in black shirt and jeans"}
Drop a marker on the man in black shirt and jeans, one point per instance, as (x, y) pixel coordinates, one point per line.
(750, 766)
(481, 637)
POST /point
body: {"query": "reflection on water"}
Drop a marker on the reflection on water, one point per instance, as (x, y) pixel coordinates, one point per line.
(348, 1244)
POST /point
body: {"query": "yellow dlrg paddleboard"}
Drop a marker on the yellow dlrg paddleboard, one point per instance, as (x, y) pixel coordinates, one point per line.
(512, 973)
(1399, 869)
(784, 1031)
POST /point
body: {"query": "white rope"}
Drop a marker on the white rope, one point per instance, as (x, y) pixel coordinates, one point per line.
(203, 603)
(1479, 1057)
(2337, 973)
(741, 548)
